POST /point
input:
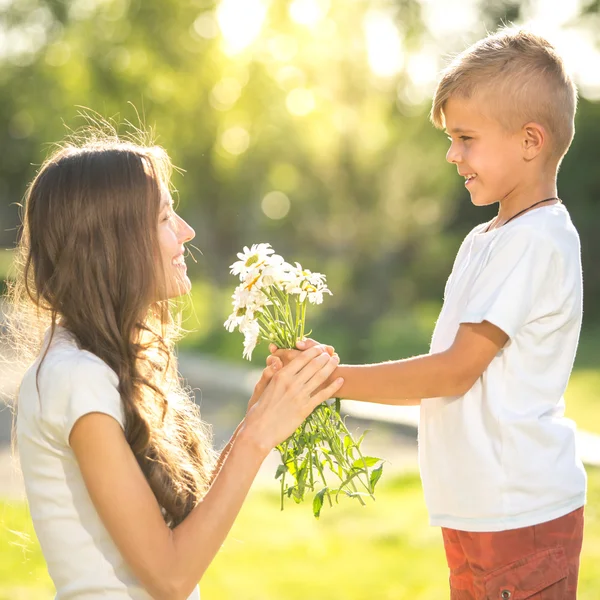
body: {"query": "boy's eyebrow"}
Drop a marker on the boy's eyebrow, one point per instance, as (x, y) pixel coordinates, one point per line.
(458, 130)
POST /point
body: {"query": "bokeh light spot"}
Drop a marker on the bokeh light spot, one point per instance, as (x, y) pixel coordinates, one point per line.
(275, 205)
(235, 140)
(300, 102)
(206, 26)
(225, 93)
(283, 47)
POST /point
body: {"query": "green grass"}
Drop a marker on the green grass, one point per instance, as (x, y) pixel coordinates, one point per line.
(583, 399)
(385, 551)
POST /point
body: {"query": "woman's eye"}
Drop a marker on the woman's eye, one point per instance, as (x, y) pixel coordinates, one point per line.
(168, 217)
(465, 138)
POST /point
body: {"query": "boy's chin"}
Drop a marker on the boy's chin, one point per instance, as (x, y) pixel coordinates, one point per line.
(481, 199)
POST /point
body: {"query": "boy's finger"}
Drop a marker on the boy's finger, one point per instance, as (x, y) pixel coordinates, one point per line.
(307, 343)
(272, 348)
(286, 355)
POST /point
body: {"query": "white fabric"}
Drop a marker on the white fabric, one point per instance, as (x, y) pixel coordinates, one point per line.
(82, 559)
(503, 455)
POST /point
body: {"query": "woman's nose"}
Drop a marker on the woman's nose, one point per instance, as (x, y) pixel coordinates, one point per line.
(186, 233)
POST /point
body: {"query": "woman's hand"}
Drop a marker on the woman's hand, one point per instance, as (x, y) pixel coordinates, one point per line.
(273, 364)
(290, 396)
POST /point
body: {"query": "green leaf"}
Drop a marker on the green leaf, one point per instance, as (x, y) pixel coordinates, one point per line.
(281, 469)
(318, 502)
(366, 461)
(297, 495)
(376, 476)
(347, 442)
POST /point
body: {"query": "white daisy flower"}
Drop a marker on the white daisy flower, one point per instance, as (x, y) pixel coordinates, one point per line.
(238, 317)
(250, 259)
(251, 330)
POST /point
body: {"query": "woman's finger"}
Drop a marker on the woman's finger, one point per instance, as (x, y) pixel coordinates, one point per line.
(320, 376)
(274, 364)
(325, 393)
(301, 359)
(310, 370)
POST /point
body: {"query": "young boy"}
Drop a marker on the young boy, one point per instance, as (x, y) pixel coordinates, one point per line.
(498, 460)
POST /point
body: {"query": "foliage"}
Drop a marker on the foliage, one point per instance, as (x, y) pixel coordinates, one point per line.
(294, 138)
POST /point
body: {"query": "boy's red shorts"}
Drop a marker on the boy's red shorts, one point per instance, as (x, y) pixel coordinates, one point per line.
(540, 562)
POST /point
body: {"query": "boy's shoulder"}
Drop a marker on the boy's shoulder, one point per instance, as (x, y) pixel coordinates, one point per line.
(550, 226)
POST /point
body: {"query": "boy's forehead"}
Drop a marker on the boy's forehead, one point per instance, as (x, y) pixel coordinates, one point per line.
(463, 115)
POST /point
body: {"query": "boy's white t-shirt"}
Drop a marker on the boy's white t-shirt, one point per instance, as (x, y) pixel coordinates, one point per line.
(503, 455)
(82, 559)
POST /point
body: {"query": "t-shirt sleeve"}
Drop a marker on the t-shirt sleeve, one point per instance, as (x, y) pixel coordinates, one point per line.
(93, 388)
(513, 282)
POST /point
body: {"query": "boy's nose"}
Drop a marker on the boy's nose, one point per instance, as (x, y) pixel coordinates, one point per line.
(452, 156)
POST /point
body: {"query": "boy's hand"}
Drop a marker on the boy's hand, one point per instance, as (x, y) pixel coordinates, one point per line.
(286, 355)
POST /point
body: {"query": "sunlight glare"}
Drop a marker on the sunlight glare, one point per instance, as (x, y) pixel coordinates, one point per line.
(241, 22)
(384, 47)
(308, 12)
(554, 19)
(422, 68)
(444, 18)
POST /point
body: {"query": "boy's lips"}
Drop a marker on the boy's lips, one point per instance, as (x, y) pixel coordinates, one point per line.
(469, 178)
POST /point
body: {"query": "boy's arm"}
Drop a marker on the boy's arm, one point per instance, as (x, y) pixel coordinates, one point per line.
(449, 373)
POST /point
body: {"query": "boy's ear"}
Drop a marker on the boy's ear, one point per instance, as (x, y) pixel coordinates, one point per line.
(534, 139)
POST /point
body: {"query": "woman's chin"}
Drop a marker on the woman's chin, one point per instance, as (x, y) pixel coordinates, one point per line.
(180, 287)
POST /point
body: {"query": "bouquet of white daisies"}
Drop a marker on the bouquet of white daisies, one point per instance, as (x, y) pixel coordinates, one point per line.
(270, 304)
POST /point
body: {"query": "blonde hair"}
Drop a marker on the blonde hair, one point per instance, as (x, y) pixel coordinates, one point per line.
(523, 79)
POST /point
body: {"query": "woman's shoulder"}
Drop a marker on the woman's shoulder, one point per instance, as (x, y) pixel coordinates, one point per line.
(62, 365)
(65, 383)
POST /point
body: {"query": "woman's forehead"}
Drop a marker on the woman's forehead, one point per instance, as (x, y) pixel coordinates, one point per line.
(165, 196)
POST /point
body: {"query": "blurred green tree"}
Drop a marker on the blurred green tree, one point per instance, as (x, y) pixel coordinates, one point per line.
(303, 123)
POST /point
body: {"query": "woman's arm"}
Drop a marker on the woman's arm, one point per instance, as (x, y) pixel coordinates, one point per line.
(273, 364)
(169, 563)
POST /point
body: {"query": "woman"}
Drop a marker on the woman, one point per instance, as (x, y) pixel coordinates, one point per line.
(125, 497)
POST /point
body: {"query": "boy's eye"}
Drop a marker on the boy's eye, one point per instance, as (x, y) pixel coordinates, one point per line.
(465, 138)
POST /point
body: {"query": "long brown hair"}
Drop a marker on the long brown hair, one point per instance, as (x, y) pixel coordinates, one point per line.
(88, 259)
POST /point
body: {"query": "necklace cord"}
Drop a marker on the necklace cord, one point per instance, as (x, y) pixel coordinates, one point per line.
(525, 210)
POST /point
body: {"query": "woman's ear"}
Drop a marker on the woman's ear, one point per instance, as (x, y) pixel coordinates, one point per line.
(534, 140)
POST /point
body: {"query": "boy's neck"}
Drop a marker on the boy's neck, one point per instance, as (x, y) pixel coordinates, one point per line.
(525, 196)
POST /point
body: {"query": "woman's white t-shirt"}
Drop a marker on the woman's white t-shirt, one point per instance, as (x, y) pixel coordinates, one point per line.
(503, 455)
(82, 559)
